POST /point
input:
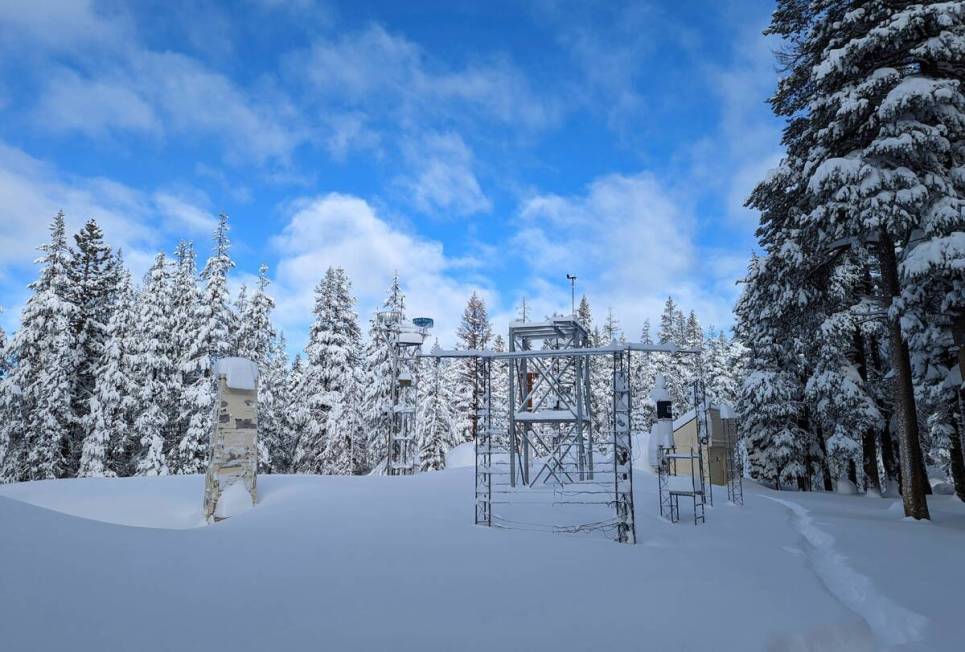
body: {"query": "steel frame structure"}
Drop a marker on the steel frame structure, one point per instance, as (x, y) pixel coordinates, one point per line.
(735, 480)
(551, 447)
(405, 344)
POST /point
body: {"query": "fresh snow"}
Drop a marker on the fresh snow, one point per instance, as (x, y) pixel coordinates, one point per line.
(376, 562)
(233, 501)
(239, 373)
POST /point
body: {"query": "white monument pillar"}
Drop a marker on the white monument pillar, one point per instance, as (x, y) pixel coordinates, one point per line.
(233, 463)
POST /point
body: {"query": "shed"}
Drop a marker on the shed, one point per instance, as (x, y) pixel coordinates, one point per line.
(719, 444)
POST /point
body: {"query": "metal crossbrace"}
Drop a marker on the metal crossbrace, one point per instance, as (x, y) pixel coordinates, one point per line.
(484, 451)
(735, 481)
(546, 456)
(622, 453)
(703, 439)
(401, 454)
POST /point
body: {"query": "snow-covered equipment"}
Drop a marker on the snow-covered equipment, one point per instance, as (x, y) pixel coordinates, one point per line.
(231, 482)
(552, 470)
(423, 323)
(712, 432)
(674, 483)
(406, 338)
(661, 432)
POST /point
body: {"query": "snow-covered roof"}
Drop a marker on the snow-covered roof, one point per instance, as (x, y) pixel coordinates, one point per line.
(548, 415)
(239, 373)
(726, 412)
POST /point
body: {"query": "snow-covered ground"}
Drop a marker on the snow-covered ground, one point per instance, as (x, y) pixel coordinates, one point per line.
(376, 563)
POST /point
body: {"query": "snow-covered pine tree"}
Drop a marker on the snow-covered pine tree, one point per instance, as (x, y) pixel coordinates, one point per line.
(256, 334)
(673, 367)
(241, 307)
(377, 395)
(214, 338)
(93, 275)
(436, 433)
(185, 298)
(154, 371)
(330, 367)
(770, 404)
(4, 414)
(474, 333)
(499, 374)
(295, 420)
(643, 374)
(273, 404)
(875, 108)
(36, 393)
(255, 340)
(346, 451)
(107, 448)
(722, 369)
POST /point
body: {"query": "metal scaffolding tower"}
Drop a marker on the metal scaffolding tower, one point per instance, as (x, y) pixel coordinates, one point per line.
(550, 470)
(405, 343)
(549, 404)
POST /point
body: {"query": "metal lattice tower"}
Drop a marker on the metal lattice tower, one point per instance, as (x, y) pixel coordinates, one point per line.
(405, 343)
(548, 469)
(549, 405)
(622, 449)
(735, 480)
(703, 440)
(484, 448)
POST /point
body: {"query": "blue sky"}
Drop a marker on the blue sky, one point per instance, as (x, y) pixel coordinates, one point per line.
(488, 146)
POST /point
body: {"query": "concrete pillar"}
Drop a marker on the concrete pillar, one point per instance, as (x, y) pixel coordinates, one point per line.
(230, 485)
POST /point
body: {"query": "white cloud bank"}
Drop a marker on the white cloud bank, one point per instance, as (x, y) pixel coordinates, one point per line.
(631, 244)
(338, 230)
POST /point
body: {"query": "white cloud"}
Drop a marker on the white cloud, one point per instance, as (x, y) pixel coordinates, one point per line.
(630, 242)
(111, 83)
(137, 222)
(61, 25)
(166, 94)
(442, 179)
(343, 230)
(393, 79)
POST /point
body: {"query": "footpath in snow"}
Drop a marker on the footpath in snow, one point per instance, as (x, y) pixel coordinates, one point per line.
(374, 563)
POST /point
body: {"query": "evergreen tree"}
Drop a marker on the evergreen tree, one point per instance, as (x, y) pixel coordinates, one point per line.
(37, 393)
(875, 121)
(474, 333)
(295, 420)
(107, 448)
(499, 374)
(93, 274)
(185, 300)
(346, 450)
(377, 395)
(330, 368)
(273, 403)
(256, 334)
(643, 375)
(256, 340)
(213, 339)
(154, 371)
(436, 434)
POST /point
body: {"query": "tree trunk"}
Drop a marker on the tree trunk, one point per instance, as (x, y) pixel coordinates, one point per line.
(869, 450)
(906, 415)
(825, 469)
(958, 461)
